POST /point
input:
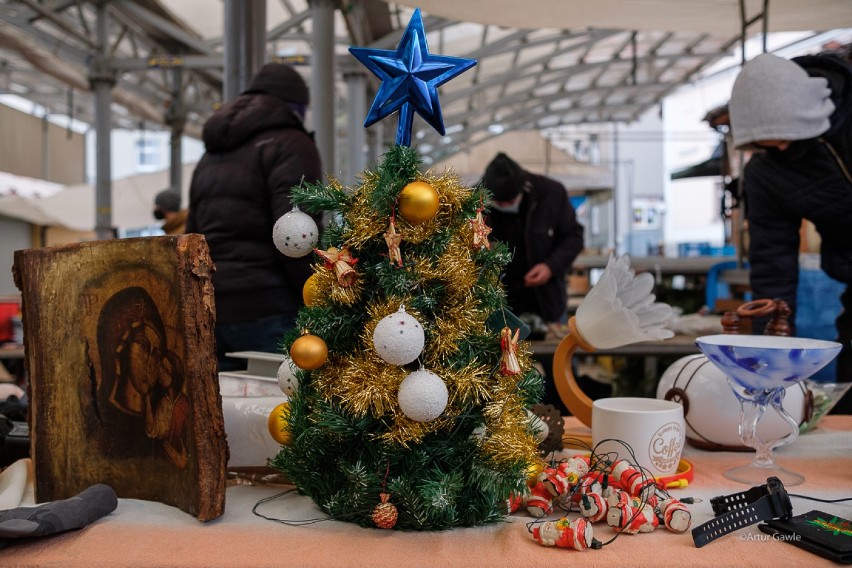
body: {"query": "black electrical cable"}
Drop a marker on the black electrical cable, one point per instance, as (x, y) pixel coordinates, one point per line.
(821, 500)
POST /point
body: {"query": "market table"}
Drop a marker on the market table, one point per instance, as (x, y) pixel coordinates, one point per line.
(142, 533)
(649, 351)
(657, 265)
(677, 345)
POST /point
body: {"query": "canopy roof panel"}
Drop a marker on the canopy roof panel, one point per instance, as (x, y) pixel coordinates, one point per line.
(721, 18)
(540, 64)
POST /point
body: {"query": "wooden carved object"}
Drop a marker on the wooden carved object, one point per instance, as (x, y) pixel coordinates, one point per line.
(122, 371)
(730, 322)
(780, 322)
(778, 311)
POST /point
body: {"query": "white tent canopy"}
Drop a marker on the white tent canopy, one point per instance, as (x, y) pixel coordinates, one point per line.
(540, 65)
(535, 154)
(73, 206)
(13, 185)
(715, 17)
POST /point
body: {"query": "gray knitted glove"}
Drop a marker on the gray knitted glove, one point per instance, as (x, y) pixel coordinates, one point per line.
(58, 516)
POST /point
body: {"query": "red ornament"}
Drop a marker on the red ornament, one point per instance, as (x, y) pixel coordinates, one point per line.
(385, 514)
(514, 502)
(632, 480)
(593, 507)
(564, 533)
(539, 502)
(676, 517)
(631, 520)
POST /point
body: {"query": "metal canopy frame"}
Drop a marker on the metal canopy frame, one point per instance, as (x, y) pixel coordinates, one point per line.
(49, 52)
(165, 71)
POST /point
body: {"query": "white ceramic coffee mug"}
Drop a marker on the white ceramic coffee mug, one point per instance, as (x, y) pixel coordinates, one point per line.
(653, 428)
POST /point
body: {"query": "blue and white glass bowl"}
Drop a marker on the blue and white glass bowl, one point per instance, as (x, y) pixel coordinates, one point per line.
(759, 368)
(767, 361)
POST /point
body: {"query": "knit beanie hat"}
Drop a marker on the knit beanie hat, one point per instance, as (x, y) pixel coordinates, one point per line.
(774, 99)
(282, 81)
(504, 178)
(168, 200)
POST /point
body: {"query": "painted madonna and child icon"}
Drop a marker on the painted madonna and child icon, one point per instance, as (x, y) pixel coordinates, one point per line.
(122, 371)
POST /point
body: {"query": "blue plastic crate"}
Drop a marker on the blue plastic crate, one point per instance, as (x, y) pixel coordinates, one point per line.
(692, 249)
(818, 305)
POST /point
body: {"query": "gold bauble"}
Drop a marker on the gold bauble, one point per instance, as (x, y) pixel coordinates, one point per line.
(418, 202)
(279, 424)
(309, 352)
(533, 471)
(309, 290)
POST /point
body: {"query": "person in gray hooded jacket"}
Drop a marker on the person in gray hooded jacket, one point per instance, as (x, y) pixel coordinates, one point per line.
(797, 114)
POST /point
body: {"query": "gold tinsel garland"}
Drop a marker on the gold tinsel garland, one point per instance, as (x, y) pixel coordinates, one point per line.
(450, 328)
(363, 384)
(342, 381)
(452, 267)
(510, 443)
(329, 290)
(455, 264)
(405, 431)
(364, 225)
(470, 385)
(382, 308)
(508, 436)
(361, 218)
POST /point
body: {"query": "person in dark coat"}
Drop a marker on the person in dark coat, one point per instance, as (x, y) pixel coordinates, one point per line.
(167, 209)
(532, 214)
(797, 114)
(257, 149)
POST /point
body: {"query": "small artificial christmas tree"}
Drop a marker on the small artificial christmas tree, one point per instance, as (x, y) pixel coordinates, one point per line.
(410, 409)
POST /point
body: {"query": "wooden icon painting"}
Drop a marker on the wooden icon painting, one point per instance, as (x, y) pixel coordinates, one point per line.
(119, 346)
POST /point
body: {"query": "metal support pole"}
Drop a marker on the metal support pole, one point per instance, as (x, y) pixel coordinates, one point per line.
(618, 243)
(234, 27)
(322, 79)
(245, 44)
(176, 119)
(255, 40)
(45, 147)
(356, 157)
(377, 143)
(102, 81)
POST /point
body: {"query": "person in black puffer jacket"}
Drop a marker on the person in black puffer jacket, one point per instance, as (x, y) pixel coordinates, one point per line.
(257, 149)
(798, 115)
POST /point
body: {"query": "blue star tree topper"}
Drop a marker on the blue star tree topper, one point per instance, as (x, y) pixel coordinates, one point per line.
(410, 79)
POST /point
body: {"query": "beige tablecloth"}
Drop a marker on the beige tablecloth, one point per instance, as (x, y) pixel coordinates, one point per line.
(142, 533)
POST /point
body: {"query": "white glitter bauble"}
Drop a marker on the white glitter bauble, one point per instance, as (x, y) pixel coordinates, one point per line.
(539, 426)
(422, 396)
(398, 338)
(295, 234)
(288, 382)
